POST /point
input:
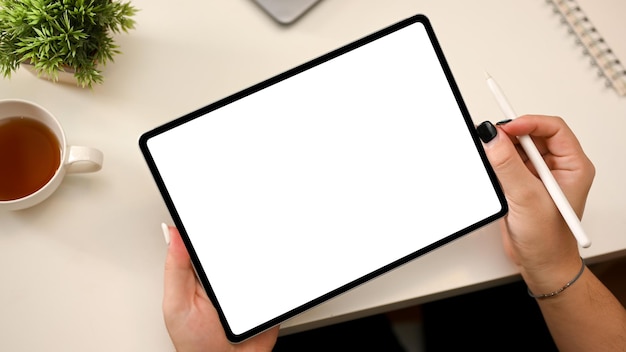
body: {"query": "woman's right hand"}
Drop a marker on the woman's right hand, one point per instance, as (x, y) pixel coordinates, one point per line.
(535, 236)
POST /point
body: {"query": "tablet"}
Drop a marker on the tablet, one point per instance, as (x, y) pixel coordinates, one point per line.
(321, 178)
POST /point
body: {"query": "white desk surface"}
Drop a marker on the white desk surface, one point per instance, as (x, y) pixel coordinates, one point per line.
(83, 270)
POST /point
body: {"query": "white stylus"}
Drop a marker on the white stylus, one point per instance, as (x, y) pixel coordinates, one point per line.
(542, 169)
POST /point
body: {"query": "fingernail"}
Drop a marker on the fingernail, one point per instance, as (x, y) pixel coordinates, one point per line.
(503, 122)
(166, 232)
(486, 131)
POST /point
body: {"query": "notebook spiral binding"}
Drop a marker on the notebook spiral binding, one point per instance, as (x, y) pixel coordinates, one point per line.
(608, 64)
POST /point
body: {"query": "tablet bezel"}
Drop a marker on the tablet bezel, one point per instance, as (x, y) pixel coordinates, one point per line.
(283, 76)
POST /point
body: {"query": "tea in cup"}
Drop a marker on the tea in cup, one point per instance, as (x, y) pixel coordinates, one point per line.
(34, 155)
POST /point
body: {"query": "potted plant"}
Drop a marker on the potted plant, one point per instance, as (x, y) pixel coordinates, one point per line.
(61, 36)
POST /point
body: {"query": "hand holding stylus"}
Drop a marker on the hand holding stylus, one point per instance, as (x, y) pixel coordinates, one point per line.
(544, 172)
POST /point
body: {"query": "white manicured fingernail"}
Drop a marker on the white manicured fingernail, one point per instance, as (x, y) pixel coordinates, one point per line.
(166, 232)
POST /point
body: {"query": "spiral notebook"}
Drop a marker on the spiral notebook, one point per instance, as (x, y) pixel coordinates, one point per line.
(598, 28)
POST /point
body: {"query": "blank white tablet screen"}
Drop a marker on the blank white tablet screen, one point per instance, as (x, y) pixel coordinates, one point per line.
(322, 178)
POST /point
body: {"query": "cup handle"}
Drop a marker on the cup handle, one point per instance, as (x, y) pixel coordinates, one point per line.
(83, 159)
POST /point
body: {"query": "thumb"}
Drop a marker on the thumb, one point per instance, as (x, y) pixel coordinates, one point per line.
(515, 178)
(179, 279)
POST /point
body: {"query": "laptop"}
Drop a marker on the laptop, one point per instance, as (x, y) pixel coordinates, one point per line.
(286, 11)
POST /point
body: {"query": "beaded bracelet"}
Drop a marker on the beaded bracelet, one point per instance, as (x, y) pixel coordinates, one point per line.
(559, 291)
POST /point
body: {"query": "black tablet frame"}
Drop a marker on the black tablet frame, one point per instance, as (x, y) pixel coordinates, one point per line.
(143, 142)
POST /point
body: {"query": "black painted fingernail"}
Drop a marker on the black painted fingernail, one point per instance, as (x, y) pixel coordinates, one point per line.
(486, 131)
(503, 122)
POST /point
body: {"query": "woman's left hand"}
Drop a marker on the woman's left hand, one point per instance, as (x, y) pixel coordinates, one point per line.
(190, 317)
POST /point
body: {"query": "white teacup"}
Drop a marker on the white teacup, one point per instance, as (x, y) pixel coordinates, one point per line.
(34, 155)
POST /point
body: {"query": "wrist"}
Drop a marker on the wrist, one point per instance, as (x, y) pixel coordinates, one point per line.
(552, 280)
(562, 288)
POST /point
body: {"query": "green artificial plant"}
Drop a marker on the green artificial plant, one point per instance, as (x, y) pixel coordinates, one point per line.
(62, 35)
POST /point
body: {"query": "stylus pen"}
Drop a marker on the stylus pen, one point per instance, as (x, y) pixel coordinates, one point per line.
(542, 169)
